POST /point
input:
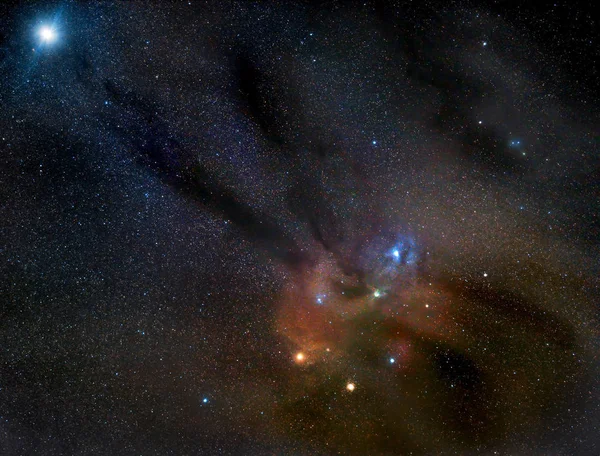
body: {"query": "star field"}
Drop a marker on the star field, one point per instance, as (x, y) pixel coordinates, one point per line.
(257, 228)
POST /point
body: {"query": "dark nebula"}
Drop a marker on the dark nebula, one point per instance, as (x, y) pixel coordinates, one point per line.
(257, 228)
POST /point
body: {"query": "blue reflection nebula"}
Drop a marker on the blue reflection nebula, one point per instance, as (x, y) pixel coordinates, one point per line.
(404, 252)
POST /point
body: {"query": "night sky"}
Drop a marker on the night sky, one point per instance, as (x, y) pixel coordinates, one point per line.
(293, 228)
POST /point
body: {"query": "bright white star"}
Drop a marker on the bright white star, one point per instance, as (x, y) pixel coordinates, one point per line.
(47, 34)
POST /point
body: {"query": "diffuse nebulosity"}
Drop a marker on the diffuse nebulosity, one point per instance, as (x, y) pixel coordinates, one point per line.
(253, 228)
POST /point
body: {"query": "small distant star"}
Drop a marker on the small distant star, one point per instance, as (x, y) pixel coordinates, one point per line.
(374, 142)
(320, 300)
(205, 400)
(479, 122)
(350, 387)
(485, 274)
(485, 43)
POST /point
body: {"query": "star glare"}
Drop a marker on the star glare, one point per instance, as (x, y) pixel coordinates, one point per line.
(392, 360)
(350, 387)
(377, 293)
(300, 357)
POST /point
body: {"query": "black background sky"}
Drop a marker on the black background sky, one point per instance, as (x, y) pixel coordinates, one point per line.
(405, 194)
